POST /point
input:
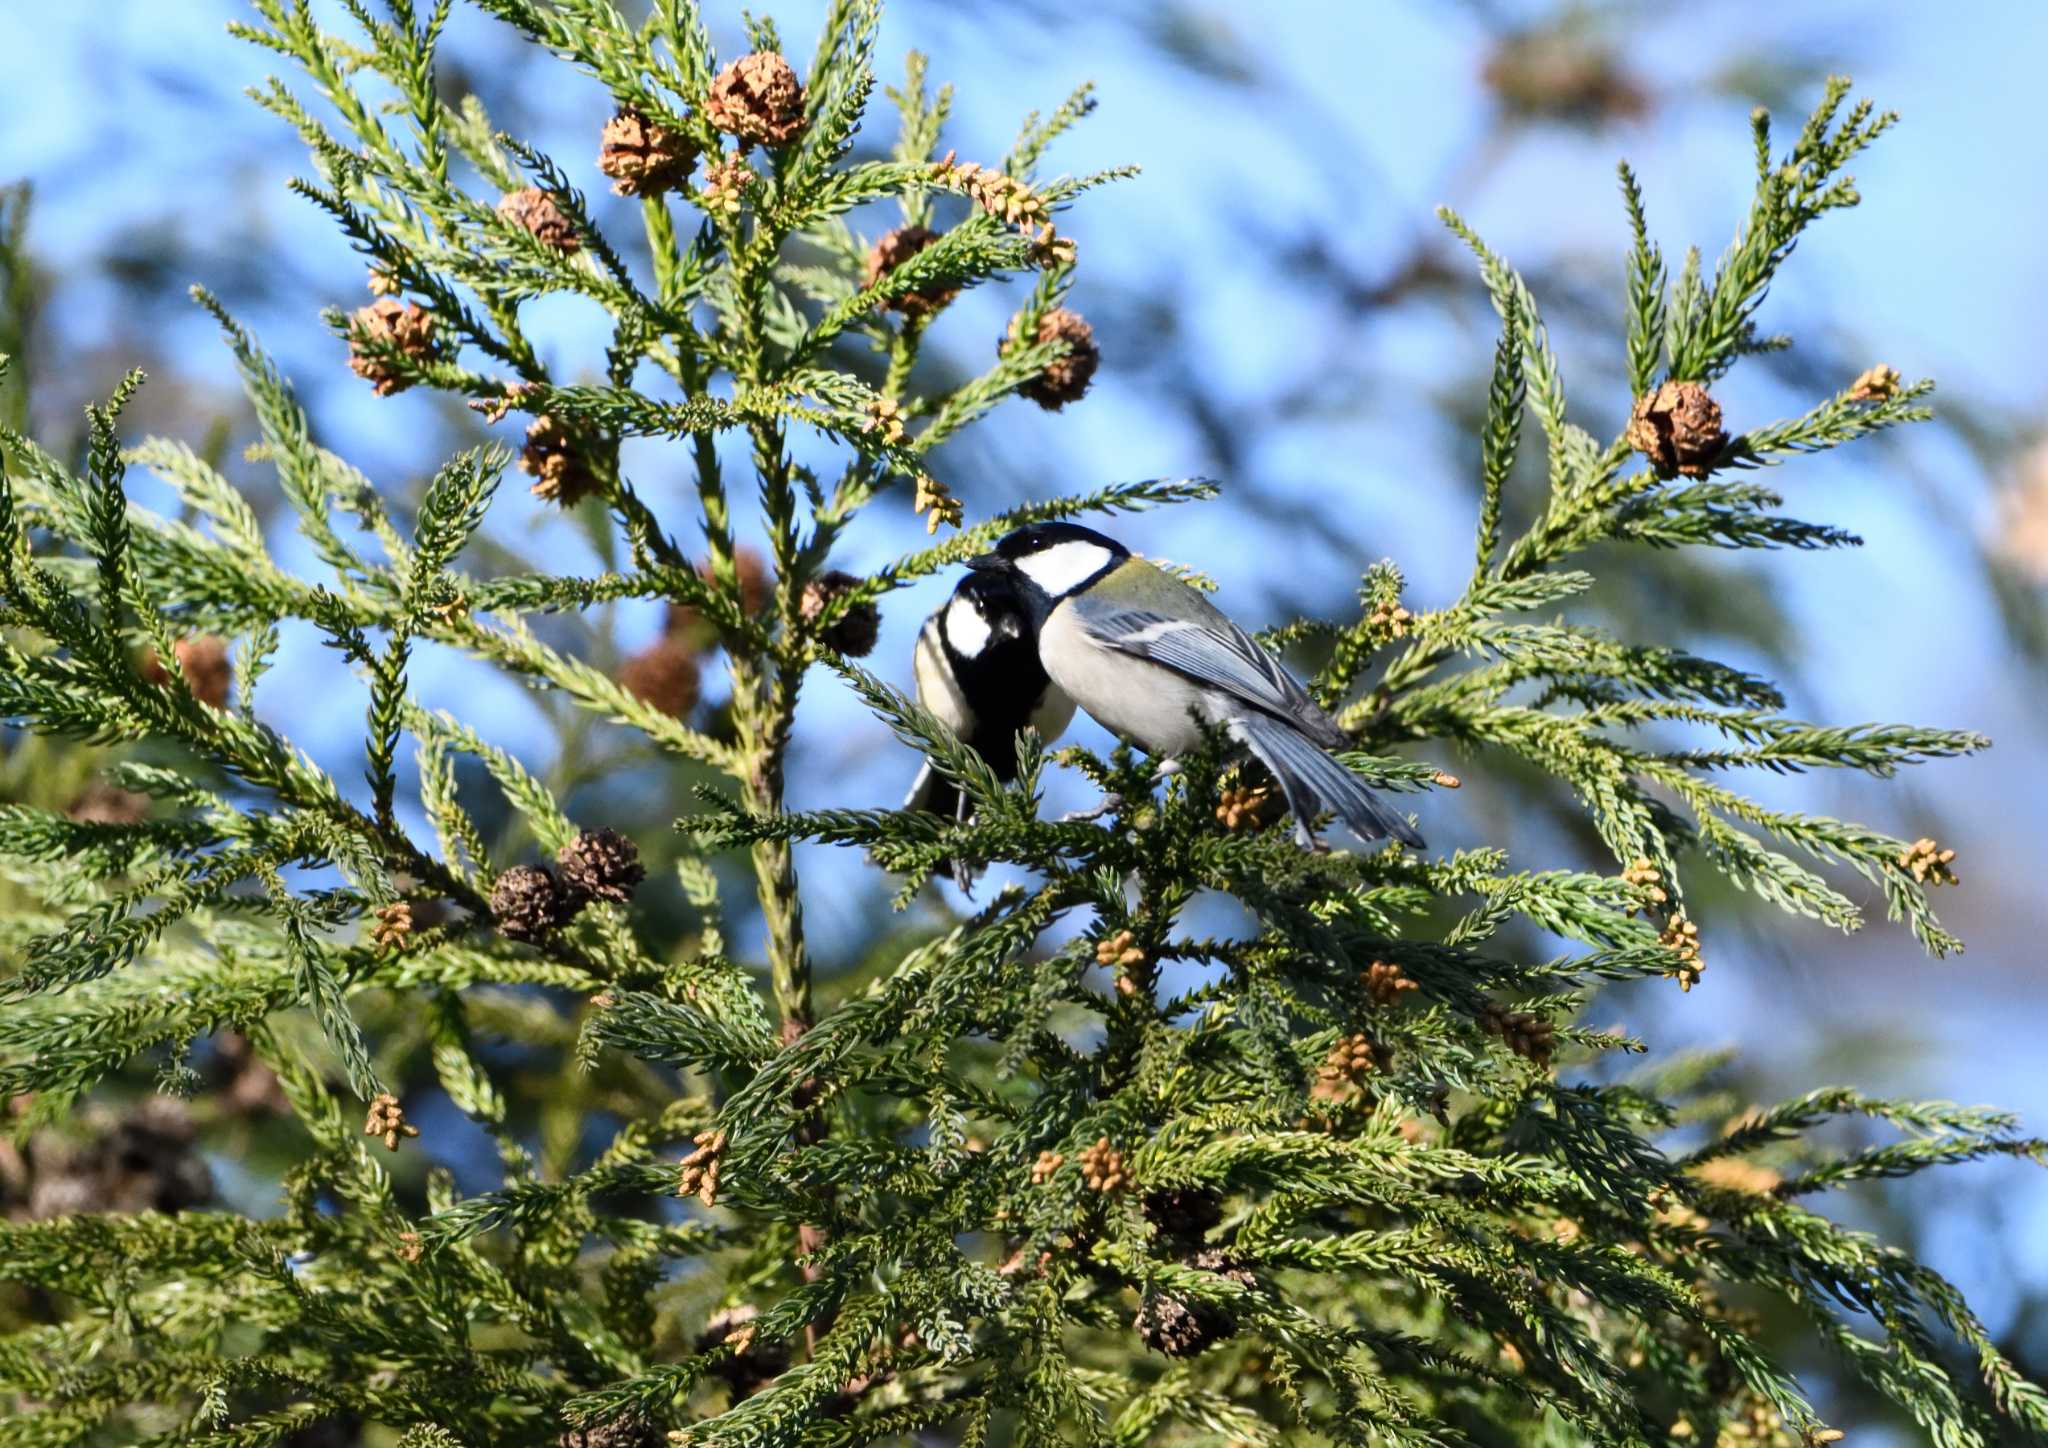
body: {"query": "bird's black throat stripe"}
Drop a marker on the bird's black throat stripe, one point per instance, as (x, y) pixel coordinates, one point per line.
(1007, 683)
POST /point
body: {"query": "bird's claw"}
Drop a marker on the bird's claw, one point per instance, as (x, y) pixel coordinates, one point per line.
(1110, 803)
(1308, 841)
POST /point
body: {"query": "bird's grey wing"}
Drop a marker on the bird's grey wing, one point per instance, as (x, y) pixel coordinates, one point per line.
(1215, 651)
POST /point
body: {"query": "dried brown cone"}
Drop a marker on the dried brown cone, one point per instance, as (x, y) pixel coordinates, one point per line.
(1677, 426)
(387, 1119)
(144, 1161)
(101, 803)
(854, 632)
(1385, 982)
(526, 903)
(643, 157)
(629, 1430)
(753, 1363)
(758, 99)
(895, 248)
(1183, 1213)
(601, 864)
(757, 583)
(1102, 1167)
(1561, 74)
(404, 326)
(251, 1087)
(204, 661)
(1178, 1326)
(559, 461)
(663, 676)
(533, 210)
(1065, 379)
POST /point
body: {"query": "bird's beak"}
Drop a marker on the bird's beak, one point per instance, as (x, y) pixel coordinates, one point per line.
(989, 563)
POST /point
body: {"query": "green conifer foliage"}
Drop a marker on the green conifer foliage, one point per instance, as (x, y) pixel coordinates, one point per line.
(1369, 1184)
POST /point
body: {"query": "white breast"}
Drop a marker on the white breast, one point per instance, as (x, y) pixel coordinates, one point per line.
(1152, 707)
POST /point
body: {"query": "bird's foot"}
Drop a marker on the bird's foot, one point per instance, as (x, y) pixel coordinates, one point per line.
(1307, 840)
(1109, 805)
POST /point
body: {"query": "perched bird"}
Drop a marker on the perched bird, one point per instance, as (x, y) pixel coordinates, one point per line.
(977, 669)
(1155, 662)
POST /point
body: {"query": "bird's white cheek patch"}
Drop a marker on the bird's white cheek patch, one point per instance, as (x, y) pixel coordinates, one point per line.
(966, 629)
(1064, 566)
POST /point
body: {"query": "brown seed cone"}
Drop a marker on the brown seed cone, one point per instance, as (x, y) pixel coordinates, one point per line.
(536, 211)
(204, 660)
(1182, 1327)
(1177, 1326)
(559, 461)
(101, 803)
(854, 632)
(630, 1430)
(758, 99)
(251, 1088)
(1065, 380)
(1183, 1213)
(895, 248)
(642, 157)
(602, 864)
(663, 676)
(1554, 73)
(526, 903)
(406, 326)
(1678, 428)
(757, 584)
(142, 1162)
(680, 621)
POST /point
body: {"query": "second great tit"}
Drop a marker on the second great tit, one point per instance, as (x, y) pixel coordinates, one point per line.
(1155, 662)
(977, 669)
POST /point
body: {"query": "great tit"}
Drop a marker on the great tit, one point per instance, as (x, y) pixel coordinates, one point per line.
(977, 669)
(1155, 662)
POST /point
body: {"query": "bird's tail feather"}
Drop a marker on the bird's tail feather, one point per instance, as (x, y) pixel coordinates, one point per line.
(1312, 781)
(935, 794)
(932, 792)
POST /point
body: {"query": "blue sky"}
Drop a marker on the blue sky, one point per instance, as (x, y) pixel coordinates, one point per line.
(127, 117)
